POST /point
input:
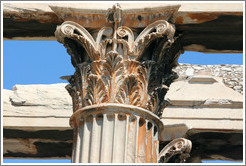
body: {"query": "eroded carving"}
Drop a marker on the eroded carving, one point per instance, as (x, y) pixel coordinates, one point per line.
(177, 151)
(115, 68)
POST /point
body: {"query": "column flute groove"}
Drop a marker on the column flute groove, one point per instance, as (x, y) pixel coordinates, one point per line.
(82, 140)
(136, 142)
(114, 147)
(126, 138)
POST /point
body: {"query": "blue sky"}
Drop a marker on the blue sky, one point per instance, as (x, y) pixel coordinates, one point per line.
(43, 62)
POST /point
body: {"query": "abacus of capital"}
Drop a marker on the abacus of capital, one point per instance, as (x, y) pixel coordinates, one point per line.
(118, 89)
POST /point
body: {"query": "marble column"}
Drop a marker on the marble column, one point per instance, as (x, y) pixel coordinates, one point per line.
(118, 88)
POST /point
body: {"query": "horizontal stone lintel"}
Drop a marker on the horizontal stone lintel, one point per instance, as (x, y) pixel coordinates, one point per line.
(206, 103)
(40, 123)
(205, 27)
(57, 144)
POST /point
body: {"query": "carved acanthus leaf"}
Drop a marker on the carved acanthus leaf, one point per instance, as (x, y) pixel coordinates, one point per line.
(78, 87)
(152, 101)
(72, 90)
(96, 68)
(156, 102)
(161, 47)
(144, 74)
(113, 69)
(84, 71)
(129, 91)
(131, 67)
(96, 92)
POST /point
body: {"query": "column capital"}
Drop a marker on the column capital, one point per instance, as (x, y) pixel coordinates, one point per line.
(121, 65)
(121, 78)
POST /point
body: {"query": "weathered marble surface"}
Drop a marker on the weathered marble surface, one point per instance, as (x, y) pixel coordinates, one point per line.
(23, 99)
(232, 74)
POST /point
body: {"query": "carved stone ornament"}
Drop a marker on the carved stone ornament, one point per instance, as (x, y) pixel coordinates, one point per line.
(121, 78)
(177, 151)
(119, 66)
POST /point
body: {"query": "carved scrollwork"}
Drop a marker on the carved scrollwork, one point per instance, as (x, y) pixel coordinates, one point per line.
(75, 31)
(176, 151)
(124, 31)
(153, 31)
(115, 68)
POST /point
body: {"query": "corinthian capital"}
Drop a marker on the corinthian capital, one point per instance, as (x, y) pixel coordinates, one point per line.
(118, 89)
(121, 65)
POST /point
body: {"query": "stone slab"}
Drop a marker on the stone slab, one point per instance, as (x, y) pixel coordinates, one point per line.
(202, 24)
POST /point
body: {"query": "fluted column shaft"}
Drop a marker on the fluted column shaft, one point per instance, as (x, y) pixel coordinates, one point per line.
(113, 133)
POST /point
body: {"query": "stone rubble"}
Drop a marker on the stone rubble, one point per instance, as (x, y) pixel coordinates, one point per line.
(232, 74)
